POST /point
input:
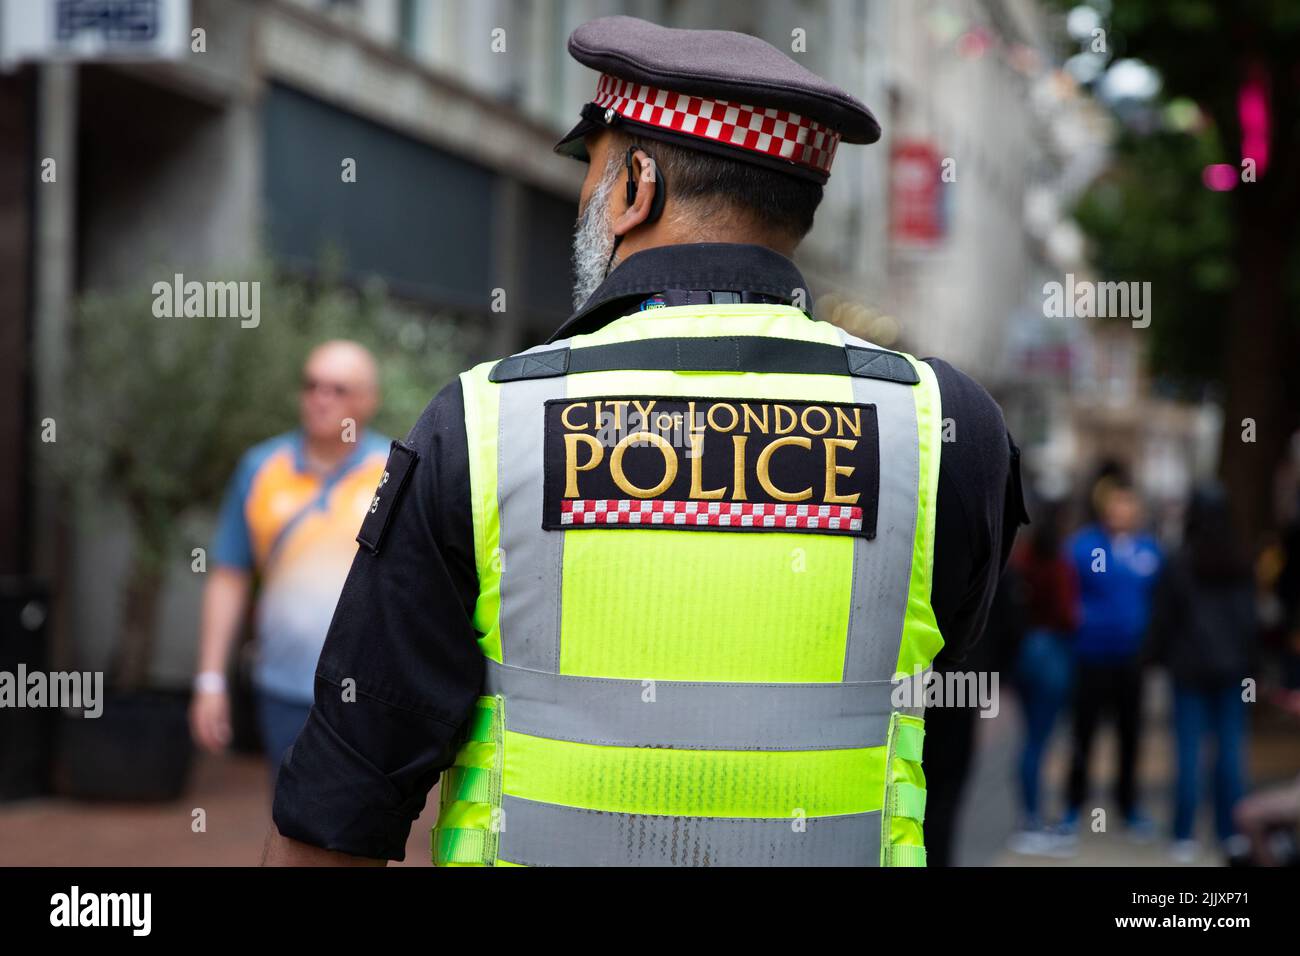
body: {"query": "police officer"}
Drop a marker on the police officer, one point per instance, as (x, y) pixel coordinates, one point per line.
(662, 590)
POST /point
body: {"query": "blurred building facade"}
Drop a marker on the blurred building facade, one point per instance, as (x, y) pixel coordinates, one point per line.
(937, 240)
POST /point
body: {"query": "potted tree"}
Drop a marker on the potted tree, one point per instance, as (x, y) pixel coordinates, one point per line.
(160, 409)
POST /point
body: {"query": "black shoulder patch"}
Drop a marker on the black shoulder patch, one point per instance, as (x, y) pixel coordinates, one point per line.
(401, 462)
(711, 464)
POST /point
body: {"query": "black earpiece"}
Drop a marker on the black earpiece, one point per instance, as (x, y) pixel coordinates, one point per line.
(661, 188)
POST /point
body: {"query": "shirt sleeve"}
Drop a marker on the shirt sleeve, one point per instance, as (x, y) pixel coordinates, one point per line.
(401, 666)
(980, 507)
(233, 547)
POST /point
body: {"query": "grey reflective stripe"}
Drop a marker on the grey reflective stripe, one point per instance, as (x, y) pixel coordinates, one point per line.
(911, 693)
(546, 834)
(882, 568)
(692, 715)
(530, 557)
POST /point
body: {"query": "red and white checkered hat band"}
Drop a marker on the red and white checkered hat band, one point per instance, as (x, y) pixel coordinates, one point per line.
(771, 132)
(589, 511)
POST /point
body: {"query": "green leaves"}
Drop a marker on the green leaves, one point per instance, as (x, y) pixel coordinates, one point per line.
(160, 409)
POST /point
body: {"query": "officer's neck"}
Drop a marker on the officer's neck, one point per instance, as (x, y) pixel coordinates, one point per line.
(675, 231)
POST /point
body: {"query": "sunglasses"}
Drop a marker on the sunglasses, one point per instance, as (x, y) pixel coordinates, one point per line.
(332, 389)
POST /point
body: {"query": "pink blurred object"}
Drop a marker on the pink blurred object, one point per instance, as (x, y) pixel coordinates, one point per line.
(1220, 177)
(974, 43)
(1254, 115)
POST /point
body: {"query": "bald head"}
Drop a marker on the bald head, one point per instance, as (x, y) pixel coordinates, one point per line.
(340, 381)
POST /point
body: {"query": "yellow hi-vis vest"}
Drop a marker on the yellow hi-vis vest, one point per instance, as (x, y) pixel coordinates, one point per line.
(704, 538)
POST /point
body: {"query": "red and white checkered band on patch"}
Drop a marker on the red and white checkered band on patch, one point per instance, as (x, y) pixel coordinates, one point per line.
(725, 514)
(771, 132)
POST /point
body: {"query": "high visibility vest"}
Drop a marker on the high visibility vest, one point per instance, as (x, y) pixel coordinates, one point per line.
(704, 541)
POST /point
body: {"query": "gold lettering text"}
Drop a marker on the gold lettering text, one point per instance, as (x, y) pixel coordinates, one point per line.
(616, 464)
(788, 413)
(735, 417)
(571, 466)
(697, 472)
(645, 411)
(738, 466)
(759, 424)
(826, 420)
(854, 425)
(619, 404)
(833, 470)
(765, 463)
(564, 417)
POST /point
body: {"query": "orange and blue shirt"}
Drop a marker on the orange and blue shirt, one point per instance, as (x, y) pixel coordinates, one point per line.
(296, 529)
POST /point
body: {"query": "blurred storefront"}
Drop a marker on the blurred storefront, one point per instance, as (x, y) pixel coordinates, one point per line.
(938, 240)
(274, 130)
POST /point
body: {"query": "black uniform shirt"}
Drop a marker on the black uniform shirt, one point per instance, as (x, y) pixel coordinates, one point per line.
(401, 666)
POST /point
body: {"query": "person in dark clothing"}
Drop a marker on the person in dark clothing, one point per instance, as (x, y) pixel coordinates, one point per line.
(1043, 665)
(1287, 590)
(1203, 632)
(1117, 566)
(950, 731)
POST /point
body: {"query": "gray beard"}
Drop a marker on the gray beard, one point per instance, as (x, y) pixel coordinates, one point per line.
(593, 240)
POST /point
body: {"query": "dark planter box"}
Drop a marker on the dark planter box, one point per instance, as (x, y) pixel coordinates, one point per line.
(26, 734)
(138, 750)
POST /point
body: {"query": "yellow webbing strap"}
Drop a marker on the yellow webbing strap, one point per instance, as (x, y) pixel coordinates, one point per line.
(480, 725)
(909, 741)
(464, 833)
(459, 846)
(473, 784)
(905, 855)
(909, 801)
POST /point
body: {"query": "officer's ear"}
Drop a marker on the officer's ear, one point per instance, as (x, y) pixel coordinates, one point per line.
(642, 185)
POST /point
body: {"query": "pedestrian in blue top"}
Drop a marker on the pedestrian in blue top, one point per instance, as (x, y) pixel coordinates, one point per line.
(1117, 567)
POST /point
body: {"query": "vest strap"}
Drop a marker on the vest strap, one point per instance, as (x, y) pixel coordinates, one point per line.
(480, 724)
(909, 801)
(909, 742)
(721, 353)
(471, 784)
(458, 846)
(905, 855)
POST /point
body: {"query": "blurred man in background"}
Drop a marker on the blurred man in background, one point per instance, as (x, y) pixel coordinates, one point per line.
(1117, 566)
(289, 520)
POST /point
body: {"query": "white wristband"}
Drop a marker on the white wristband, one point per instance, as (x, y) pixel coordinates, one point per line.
(210, 682)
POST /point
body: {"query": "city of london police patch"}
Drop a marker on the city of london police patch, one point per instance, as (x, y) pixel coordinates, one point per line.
(711, 465)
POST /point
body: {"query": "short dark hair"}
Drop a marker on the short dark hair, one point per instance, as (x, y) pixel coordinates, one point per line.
(773, 199)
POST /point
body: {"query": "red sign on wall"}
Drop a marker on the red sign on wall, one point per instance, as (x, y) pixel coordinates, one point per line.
(916, 193)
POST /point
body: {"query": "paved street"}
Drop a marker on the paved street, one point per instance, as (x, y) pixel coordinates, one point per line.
(235, 794)
(233, 790)
(989, 812)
